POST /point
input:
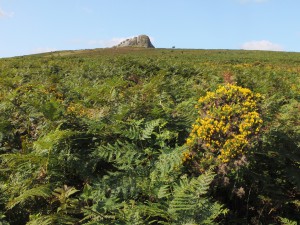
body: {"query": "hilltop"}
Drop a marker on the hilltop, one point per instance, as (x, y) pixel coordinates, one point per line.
(195, 55)
(141, 41)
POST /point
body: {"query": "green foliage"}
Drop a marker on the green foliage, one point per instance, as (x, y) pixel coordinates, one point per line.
(51, 219)
(136, 132)
(99, 136)
(229, 120)
(285, 221)
(190, 204)
(141, 182)
(168, 164)
(40, 191)
(63, 196)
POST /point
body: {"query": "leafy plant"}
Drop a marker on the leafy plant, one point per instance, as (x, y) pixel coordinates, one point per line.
(229, 119)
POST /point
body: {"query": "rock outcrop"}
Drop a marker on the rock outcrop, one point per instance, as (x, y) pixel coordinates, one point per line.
(142, 41)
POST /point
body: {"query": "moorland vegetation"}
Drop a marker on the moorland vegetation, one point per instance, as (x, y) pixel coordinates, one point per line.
(150, 136)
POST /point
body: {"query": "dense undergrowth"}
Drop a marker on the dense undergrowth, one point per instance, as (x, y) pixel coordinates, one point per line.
(112, 136)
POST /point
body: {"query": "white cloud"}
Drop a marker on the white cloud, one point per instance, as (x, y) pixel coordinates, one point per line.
(262, 45)
(43, 50)
(4, 14)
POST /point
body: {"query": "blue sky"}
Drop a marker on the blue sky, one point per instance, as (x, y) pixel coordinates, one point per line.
(34, 26)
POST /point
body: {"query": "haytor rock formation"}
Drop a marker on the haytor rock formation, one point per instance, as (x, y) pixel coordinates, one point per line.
(142, 41)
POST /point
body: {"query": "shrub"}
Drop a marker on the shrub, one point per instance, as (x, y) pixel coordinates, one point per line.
(229, 121)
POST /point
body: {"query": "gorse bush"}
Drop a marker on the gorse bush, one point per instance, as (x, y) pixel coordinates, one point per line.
(229, 121)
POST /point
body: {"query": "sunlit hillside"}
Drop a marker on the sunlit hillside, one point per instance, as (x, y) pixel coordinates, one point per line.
(150, 136)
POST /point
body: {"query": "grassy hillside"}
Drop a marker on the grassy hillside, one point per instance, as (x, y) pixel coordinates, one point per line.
(100, 137)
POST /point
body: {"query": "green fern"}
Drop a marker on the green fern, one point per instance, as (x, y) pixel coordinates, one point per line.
(285, 221)
(190, 200)
(134, 130)
(104, 210)
(168, 164)
(124, 155)
(62, 219)
(48, 142)
(146, 213)
(19, 162)
(140, 130)
(164, 192)
(42, 191)
(149, 129)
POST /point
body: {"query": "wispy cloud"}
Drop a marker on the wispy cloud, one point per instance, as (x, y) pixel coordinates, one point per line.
(43, 50)
(262, 45)
(4, 14)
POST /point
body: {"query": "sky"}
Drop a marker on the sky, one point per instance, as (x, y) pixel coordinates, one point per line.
(35, 26)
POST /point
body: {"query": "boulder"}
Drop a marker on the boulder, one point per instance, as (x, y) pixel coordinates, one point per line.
(142, 41)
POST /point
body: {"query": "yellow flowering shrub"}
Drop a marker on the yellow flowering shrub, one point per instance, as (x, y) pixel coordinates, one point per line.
(229, 119)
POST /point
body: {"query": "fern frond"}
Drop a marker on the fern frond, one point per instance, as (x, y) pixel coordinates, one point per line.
(42, 191)
(164, 192)
(210, 211)
(201, 184)
(122, 154)
(47, 142)
(140, 130)
(101, 213)
(190, 200)
(286, 221)
(62, 219)
(133, 133)
(168, 163)
(17, 161)
(97, 219)
(149, 129)
(148, 213)
(134, 130)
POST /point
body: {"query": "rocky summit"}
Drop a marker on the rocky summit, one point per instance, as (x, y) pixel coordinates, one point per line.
(142, 41)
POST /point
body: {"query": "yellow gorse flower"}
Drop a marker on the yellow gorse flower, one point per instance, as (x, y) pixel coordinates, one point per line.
(229, 119)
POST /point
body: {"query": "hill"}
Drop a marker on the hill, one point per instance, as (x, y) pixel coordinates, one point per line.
(101, 137)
